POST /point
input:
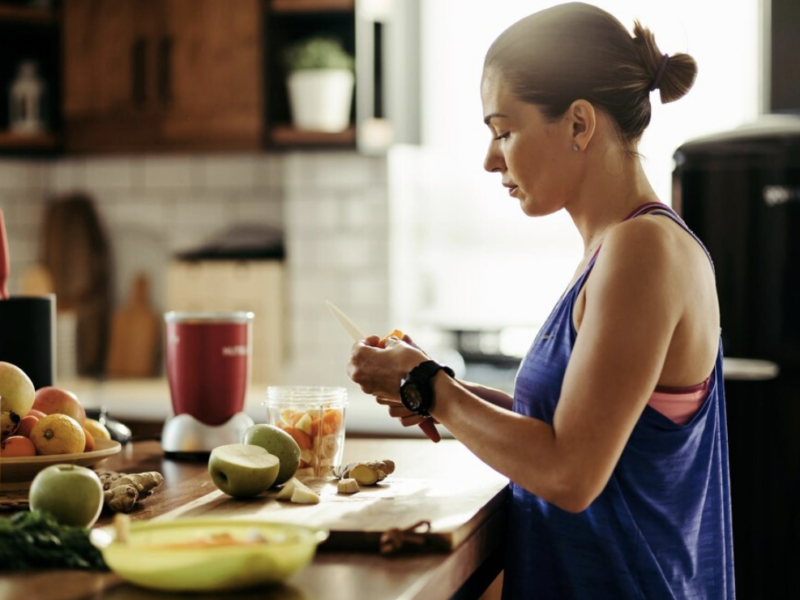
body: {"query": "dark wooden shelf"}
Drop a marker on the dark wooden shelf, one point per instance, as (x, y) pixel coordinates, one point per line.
(303, 6)
(32, 141)
(286, 135)
(30, 15)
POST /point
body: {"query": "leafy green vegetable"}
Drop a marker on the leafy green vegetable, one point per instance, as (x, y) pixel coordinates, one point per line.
(317, 53)
(34, 540)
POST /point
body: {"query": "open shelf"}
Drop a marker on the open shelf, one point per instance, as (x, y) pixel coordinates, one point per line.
(28, 141)
(286, 135)
(299, 6)
(29, 15)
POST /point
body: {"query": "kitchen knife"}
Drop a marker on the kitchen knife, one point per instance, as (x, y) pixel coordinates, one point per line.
(353, 330)
(356, 334)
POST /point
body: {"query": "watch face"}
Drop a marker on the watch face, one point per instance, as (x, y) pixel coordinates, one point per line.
(411, 396)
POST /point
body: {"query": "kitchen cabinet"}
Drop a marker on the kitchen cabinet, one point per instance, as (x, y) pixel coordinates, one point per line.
(30, 34)
(149, 75)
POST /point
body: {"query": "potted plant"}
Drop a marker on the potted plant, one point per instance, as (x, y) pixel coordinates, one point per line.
(320, 81)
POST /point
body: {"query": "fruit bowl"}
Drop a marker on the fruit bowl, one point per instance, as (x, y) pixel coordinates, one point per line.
(19, 472)
(196, 554)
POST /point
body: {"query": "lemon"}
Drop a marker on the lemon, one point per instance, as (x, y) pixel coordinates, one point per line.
(97, 429)
(58, 434)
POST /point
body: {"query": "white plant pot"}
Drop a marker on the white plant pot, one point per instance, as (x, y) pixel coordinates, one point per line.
(320, 99)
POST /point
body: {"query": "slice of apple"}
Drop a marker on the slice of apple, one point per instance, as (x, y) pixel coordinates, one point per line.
(242, 470)
(297, 492)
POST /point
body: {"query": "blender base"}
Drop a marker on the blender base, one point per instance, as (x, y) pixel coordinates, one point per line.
(184, 436)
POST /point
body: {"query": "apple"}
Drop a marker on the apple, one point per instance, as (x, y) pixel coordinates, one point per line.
(242, 470)
(17, 395)
(278, 443)
(72, 494)
(51, 400)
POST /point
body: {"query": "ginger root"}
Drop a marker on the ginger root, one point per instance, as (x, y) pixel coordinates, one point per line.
(347, 486)
(123, 490)
(368, 473)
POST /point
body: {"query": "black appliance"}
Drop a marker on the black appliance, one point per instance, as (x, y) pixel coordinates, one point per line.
(739, 191)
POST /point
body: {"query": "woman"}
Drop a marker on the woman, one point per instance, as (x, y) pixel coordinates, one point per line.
(614, 441)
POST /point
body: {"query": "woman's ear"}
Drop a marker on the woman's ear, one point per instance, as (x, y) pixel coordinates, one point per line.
(583, 120)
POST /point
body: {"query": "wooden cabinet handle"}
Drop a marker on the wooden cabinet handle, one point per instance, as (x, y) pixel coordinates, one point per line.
(139, 72)
(165, 70)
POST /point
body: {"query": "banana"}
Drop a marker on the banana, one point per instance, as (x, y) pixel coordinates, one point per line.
(9, 421)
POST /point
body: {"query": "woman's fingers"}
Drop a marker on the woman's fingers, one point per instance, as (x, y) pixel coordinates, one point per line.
(387, 401)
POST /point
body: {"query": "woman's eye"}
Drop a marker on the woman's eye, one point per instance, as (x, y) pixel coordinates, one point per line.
(502, 136)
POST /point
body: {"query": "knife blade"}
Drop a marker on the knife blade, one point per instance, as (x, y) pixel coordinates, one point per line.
(356, 333)
(353, 330)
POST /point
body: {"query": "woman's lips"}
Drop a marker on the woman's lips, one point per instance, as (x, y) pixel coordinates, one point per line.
(512, 190)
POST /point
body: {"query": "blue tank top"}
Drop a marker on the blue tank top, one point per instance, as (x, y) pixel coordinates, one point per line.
(661, 528)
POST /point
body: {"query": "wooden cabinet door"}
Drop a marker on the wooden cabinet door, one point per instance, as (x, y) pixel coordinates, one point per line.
(211, 88)
(109, 91)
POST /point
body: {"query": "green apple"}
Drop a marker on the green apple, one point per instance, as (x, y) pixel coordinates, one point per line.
(242, 470)
(278, 443)
(72, 494)
(16, 397)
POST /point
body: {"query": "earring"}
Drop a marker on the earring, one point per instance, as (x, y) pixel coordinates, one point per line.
(576, 147)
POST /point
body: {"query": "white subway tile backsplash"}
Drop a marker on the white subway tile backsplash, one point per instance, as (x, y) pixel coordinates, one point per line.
(109, 174)
(135, 210)
(30, 210)
(174, 172)
(230, 172)
(193, 213)
(332, 206)
(68, 175)
(268, 171)
(264, 209)
(19, 175)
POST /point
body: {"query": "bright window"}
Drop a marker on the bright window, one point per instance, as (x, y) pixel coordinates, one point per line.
(465, 256)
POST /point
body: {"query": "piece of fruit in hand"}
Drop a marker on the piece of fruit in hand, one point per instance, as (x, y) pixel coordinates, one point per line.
(396, 333)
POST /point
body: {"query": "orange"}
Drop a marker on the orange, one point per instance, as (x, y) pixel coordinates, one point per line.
(396, 333)
(97, 429)
(16, 446)
(26, 425)
(89, 447)
(58, 434)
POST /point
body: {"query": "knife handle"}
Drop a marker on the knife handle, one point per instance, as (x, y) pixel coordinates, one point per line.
(429, 429)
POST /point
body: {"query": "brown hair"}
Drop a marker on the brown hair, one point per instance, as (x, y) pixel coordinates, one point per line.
(577, 51)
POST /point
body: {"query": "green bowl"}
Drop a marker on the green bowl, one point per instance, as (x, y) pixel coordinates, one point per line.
(148, 561)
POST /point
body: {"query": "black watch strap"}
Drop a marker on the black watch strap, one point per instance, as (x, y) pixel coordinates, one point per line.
(416, 389)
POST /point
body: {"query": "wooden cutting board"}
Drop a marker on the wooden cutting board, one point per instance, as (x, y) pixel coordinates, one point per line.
(135, 335)
(455, 505)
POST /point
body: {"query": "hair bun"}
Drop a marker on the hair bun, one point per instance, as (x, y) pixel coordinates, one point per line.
(672, 75)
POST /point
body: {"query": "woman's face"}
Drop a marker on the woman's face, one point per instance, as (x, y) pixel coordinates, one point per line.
(533, 155)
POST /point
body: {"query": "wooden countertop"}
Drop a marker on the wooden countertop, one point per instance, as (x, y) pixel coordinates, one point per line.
(335, 574)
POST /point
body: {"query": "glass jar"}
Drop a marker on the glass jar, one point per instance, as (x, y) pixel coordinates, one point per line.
(314, 417)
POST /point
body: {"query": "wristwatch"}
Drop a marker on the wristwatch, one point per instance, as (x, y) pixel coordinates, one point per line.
(416, 388)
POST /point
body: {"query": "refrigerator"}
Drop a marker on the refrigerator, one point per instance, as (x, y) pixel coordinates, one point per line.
(739, 191)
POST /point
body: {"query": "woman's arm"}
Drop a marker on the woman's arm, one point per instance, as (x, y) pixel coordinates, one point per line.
(632, 309)
(490, 395)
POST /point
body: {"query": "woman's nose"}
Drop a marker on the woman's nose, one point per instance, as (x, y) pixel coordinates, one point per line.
(493, 162)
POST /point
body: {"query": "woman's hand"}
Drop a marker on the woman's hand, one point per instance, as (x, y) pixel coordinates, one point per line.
(379, 371)
(409, 418)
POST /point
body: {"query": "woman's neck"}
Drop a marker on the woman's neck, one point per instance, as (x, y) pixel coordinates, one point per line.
(612, 186)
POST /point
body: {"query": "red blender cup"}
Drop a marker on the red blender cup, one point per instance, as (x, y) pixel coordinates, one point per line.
(208, 358)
